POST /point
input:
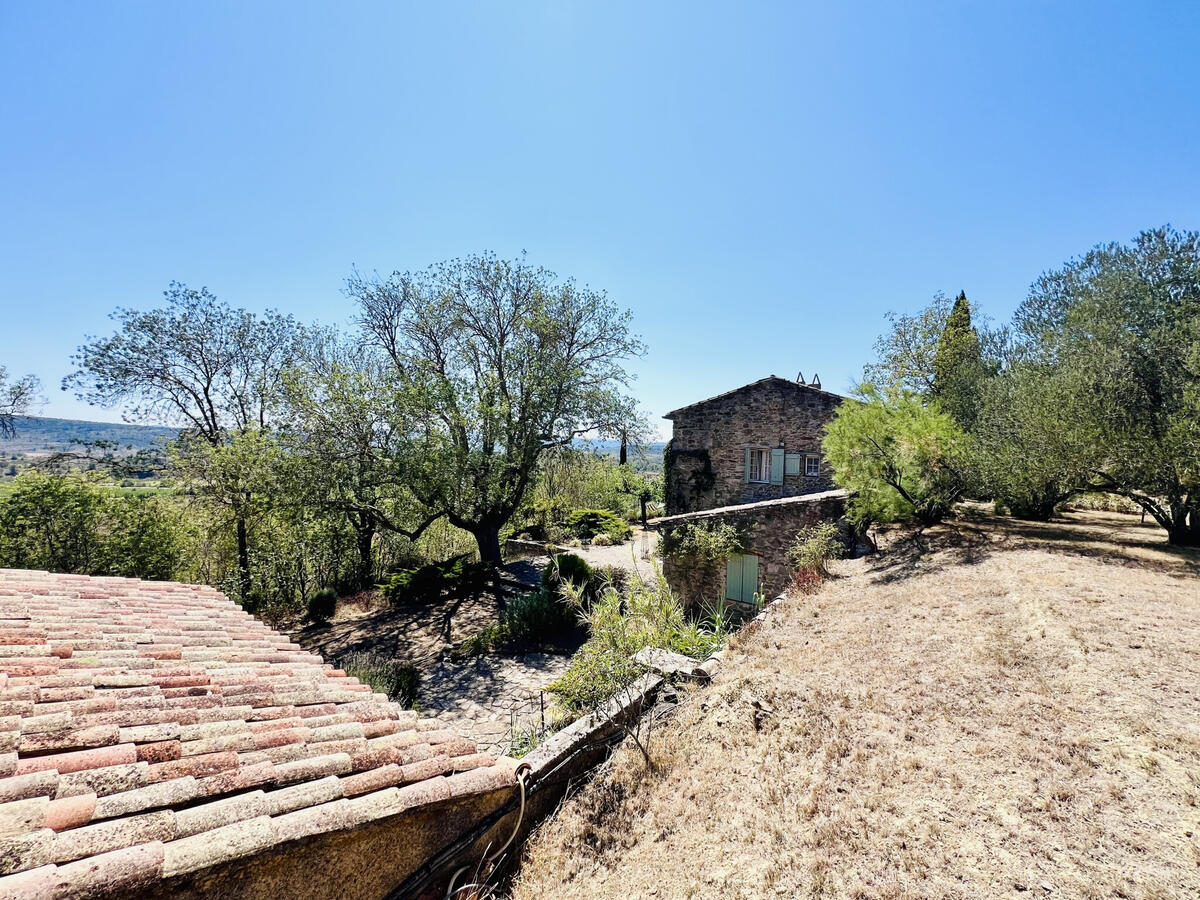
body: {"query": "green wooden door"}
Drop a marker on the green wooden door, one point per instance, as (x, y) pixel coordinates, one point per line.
(741, 578)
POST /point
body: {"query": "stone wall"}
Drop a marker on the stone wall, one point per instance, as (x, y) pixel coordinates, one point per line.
(706, 459)
(768, 528)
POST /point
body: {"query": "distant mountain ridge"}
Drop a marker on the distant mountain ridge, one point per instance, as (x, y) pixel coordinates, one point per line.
(38, 435)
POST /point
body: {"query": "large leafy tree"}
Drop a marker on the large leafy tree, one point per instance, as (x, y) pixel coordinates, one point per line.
(899, 456)
(348, 446)
(494, 361)
(1027, 455)
(18, 397)
(1124, 322)
(198, 363)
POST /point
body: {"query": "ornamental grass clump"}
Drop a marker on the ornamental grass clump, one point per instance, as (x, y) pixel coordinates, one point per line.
(649, 614)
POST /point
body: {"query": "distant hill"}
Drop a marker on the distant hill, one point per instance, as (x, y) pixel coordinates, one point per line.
(40, 435)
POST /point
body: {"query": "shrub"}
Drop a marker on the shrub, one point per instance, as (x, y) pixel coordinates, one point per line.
(648, 615)
(531, 619)
(585, 524)
(322, 605)
(538, 616)
(815, 546)
(454, 577)
(603, 540)
(569, 568)
(698, 550)
(398, 679)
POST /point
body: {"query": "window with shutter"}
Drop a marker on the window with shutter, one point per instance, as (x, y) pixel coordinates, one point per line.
(758, 465)
(812, 465)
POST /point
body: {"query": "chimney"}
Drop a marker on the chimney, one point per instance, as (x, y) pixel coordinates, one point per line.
(799, 378)
(816, 382)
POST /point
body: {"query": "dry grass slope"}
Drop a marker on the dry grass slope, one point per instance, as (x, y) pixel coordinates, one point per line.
(990, 710)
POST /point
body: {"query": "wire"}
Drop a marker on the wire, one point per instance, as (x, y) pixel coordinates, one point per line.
(487, 864)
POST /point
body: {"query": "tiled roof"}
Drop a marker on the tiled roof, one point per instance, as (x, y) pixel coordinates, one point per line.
(151, 729)
(798, 385)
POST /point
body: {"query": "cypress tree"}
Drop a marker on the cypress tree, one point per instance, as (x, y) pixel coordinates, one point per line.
(958, 365)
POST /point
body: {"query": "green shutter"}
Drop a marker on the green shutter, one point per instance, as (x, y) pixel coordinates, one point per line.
(792, 464)
(733, 578)
(746, 471)
(749, 578)
(777, 466)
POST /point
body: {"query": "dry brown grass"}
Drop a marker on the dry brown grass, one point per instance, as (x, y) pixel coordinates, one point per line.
(991, 709)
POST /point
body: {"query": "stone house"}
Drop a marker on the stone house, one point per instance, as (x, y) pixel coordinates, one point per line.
(761, 441)
(750, 457)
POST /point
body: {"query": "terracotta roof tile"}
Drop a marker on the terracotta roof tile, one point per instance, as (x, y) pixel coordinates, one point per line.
(150, 729)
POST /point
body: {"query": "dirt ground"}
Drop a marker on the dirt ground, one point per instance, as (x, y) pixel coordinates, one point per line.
(990, 709)
(483, 698)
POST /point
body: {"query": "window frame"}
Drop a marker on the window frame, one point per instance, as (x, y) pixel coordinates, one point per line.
(812, 465)
(763, 456)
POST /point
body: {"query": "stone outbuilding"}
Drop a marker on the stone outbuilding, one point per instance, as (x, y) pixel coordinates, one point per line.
(751, 458)
(158, 741)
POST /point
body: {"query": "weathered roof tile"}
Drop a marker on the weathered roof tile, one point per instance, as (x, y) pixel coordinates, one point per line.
(153, 729)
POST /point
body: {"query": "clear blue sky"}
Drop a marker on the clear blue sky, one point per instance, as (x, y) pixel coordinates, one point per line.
(758, 183)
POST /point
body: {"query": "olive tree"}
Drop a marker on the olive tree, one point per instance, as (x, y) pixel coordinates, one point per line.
(494, 362)
(346, 445)
(1123, 322)
(197, 363)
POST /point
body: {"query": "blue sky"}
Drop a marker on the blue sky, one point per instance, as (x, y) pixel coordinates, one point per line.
(758, 183)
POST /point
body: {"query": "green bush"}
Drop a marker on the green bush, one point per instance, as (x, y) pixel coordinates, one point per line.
(399, 680)
(530, 620)
(585, 524)
(815, 546)
(647, 615)
(454, 577)
(569, 568)
(322, 604)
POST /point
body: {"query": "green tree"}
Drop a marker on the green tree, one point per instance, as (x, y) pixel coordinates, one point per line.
(1033, 441)
(194, 362)
(1124, 322)
(348, 447)
(85, 525)
(958, 365)
(495, 362)
(18, 397)
(897, 456)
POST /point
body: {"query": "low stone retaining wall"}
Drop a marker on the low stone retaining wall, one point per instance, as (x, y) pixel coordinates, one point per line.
(768, 529)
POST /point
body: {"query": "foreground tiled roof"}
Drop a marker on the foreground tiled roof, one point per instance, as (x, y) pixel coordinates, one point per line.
(150, 730)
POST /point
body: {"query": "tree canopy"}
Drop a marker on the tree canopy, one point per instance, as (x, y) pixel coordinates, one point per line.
(958, 364)
(1123, 324)
(18, 397)
(494, 362)
(898, 456)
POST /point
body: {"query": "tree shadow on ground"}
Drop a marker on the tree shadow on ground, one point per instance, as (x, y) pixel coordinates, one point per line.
(1118, 539)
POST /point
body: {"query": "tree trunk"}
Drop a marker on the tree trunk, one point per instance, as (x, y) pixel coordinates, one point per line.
(366, 537)
(1184, 531)
(243, 549)
(624, 457)
(488, 539)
